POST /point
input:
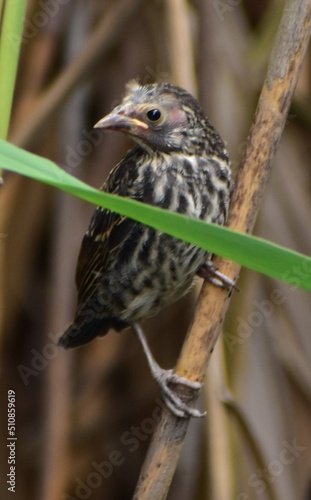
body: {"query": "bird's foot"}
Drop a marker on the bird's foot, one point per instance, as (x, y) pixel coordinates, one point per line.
(164, 379)
(210, 273)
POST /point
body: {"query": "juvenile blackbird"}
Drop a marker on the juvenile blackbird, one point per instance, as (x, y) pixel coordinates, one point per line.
(127, 271)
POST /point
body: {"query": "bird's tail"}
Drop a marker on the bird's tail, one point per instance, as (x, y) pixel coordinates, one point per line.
(77, 335)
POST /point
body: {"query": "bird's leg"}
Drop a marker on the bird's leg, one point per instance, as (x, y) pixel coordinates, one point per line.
(210, 273)
(165, 377)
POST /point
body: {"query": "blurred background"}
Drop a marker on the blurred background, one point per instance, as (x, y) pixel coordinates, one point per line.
(85, 417)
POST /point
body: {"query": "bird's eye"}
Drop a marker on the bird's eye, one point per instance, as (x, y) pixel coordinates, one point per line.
(154, 115)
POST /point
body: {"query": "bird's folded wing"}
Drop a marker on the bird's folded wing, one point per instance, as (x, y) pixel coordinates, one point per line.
(107, 230)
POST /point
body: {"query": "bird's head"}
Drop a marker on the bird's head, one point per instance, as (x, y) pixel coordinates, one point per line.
(160, 117)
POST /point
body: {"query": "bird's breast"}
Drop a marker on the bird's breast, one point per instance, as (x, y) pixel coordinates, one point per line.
(194, 186)
(152, 269)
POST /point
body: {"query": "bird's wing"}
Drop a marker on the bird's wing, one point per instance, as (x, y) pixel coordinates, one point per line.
(107, 229)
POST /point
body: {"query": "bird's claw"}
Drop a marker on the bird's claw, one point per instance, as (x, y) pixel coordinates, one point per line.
(172, 401)
(165, 377)
(210, 273)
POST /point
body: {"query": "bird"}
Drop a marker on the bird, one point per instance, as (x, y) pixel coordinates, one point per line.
(128, 271)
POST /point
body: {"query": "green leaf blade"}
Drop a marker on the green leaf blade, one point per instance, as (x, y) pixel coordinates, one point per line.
(252, 252)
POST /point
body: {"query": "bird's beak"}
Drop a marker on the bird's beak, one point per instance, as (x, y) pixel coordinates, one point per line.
(119, 119)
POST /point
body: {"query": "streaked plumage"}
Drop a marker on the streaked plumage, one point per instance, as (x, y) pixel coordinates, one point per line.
(127, 271)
